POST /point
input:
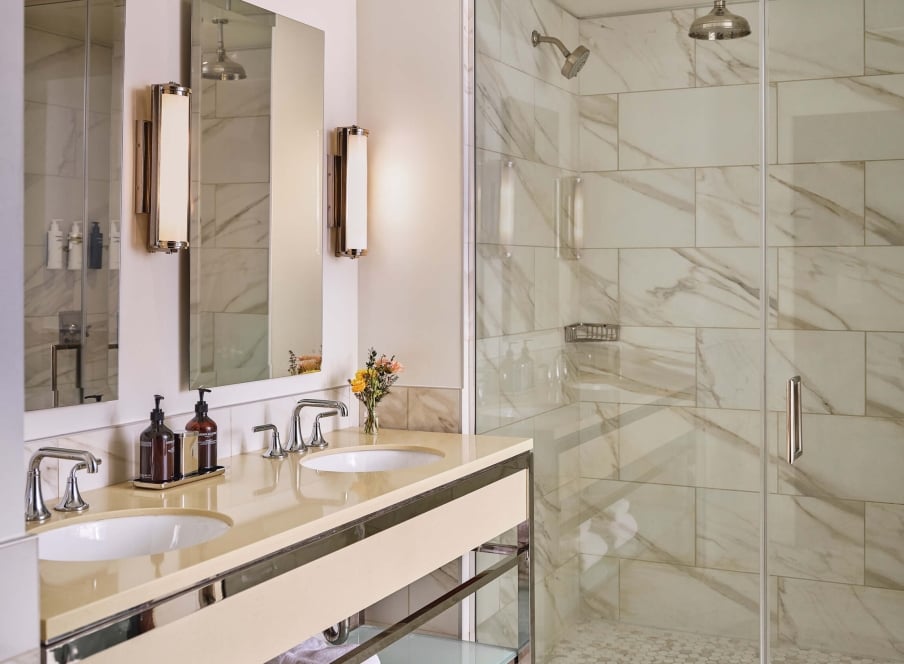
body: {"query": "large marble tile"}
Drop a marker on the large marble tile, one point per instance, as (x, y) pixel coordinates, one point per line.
(648, 51)
(638, 521)
(428, 588)
(221, 292)
(728, 206)
(544, 62)
(841, 119)
(505, 109)
(816, 204)
(488, 28)
(884, 202)
(728, 530)
(884, 554)
(674, 128)
(715, 448)
(556, 126)
(599, 586)
(730, 61)
(242, 215)
(236, 150)
(639, 209)
(392, 411)
(557, 284)
(246, 98)
(49, 291)
(866, 622)
(241, 345)
(814, 538)
(596, 299)
(689, 599)
(505, 294)
(851, 458)
(40, 333)
(557, 522)
(598, 137)
(843, 288)
(690, 287)
(599, 441)
(53, 140)
(50, 197)
(884, 37)
(885, 374)
(646, 365)
(54, 69)
(558, 602)
(434, 409)
(557, 438)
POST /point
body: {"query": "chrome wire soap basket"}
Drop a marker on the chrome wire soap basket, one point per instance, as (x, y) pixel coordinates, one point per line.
(591, 332)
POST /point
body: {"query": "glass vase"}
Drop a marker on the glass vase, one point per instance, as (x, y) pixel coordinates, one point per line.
(371, 422)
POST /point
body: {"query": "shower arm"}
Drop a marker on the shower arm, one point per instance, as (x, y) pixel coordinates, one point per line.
(536, 38)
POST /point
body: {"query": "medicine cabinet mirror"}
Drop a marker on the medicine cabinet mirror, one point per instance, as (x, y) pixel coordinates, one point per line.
(73, 155)
(256, 227)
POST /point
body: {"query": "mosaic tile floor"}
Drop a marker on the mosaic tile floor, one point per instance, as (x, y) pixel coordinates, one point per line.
(602, 642)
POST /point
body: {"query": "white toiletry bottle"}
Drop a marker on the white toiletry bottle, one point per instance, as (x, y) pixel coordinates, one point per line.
(55, 245)
(75, 246)
(114, 245)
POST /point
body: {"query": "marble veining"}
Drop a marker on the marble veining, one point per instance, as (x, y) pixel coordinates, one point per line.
(884, 37)
(885, 374)
(884, 555)
(884, 202)
(505, 98)
(598, 140)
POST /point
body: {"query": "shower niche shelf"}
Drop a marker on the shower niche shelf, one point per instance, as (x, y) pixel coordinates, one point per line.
(581, 332)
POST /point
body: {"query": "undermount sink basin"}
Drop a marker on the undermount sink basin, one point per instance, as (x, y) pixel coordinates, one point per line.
(117, 537)
(372, 459)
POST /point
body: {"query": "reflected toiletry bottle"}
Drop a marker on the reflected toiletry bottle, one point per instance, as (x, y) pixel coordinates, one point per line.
(508, 373)
(525, 369)
(207, 434)
(114, 245)
(95, 247)
(75, 246)
(157, 456)
(55, 245)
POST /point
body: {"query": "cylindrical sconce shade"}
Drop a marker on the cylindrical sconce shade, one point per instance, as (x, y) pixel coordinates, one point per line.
(162, 165)
(507, 207)
(350, 215)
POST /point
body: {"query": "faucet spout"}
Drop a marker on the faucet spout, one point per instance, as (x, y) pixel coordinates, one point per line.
(35, 509)
(296, 439)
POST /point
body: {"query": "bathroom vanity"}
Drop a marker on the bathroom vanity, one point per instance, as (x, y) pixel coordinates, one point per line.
(306, 549)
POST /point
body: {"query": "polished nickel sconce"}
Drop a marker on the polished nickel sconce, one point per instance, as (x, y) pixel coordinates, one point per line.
(569, 217)
(349, 208)
(162, 168)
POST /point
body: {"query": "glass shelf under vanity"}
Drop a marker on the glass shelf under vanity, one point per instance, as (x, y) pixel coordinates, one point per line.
(417, 648)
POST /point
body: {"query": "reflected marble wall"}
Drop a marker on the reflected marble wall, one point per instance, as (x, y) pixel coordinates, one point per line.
(648, 448)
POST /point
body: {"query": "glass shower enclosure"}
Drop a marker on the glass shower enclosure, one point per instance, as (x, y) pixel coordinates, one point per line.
(689, 264)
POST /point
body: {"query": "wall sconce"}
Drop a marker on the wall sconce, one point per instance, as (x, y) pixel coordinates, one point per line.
(349, 217)
(507, 207)
(569, 217)
(162, 161)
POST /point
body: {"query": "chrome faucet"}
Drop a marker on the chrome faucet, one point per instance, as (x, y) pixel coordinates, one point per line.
(275, 451)
(296, 440)
(35, 509)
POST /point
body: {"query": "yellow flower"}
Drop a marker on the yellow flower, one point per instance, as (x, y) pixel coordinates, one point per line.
(359, 374)
(358, 385)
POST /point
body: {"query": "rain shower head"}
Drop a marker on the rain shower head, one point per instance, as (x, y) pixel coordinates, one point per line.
(574, 60)
(719, 24)
(223, 68)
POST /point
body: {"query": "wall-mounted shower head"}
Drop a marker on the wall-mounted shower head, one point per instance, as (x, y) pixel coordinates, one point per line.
(574, 60)
(719, 24)
(223, 68)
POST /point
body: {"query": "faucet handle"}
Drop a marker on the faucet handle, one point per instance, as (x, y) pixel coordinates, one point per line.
(72, 500)
(275, 451)
(317, 439)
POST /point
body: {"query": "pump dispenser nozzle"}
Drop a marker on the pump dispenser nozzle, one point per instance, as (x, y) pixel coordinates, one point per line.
(157, 413)
(201, 405)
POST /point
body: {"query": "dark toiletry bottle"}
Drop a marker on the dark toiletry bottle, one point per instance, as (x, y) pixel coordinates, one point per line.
(157, 449)
(207, 434)
(95, 247)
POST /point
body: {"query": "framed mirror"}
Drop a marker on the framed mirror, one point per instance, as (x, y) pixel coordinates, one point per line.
(73, 191)
(258, 168)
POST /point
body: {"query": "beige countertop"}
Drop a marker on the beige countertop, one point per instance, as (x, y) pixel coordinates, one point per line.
(272, 503)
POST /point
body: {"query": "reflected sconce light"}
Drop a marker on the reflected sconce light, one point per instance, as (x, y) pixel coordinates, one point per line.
(507, 207)
(569, 217)
(349, 181)
(162, 160)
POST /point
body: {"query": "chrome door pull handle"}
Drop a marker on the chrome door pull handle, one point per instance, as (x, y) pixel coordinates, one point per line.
(794, 421)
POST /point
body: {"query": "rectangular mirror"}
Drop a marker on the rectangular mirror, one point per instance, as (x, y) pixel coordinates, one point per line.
(257, 219)
(73, 156)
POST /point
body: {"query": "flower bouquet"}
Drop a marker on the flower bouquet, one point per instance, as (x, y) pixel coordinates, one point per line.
(372, 383)
(299, 364)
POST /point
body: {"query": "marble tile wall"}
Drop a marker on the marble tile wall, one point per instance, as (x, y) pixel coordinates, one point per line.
(68, 177)
(659, 508)
(235, 223)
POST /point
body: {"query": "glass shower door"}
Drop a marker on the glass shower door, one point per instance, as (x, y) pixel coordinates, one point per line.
(835, 390)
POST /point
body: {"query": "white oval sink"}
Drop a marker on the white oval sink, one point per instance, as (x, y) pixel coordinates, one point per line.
(126, 536)
(372, 459)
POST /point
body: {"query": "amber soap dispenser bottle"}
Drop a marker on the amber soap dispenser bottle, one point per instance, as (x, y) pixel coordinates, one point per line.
(207, 434)
(157, 449)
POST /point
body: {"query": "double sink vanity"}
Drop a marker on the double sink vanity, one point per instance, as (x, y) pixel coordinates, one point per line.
(242, 567)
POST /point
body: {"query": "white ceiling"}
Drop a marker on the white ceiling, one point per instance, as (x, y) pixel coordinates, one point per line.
(590, 8)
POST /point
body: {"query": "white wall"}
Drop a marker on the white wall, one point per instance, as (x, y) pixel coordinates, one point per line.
(152, 350)
(410, 98)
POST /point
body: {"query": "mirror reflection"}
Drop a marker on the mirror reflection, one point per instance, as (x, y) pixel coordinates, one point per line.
(255, 246)
(73, 151)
